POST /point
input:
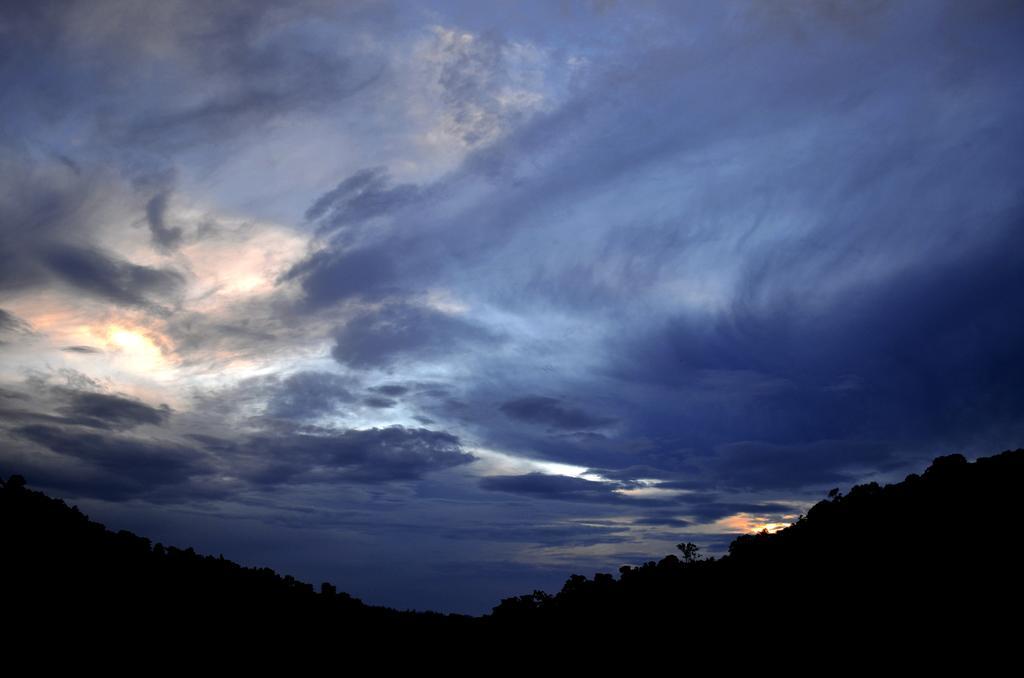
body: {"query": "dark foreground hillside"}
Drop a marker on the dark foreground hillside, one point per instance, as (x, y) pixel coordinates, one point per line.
(936, 553)
(58, 564)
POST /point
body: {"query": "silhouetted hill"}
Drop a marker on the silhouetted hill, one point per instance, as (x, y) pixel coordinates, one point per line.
(58, 564)
(937, 552)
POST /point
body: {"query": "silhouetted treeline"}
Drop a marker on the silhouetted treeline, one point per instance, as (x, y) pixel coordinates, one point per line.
(937, 552)
(59, 565)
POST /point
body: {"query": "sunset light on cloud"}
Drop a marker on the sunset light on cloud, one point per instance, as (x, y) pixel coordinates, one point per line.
(512, 287)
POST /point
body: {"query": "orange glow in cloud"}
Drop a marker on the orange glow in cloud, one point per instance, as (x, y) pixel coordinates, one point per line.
(746, 523)
(241, 262)
(137, 347)
(136, 350)
(62, 322)
(130, 341)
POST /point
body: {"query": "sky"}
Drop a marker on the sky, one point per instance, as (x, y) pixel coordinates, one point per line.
(445, 301)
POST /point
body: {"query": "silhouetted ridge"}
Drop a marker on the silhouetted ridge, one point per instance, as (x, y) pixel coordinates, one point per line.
(936, 552)
(57, 562)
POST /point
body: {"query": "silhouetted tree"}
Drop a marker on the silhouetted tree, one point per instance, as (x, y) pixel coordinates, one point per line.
(689, 551)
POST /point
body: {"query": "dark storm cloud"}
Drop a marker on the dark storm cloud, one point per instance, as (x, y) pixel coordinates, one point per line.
(396, 331)
(379, 403)
(12, 326)
(551, 412)
(10, 322)
(108, 277)
(392, 390)
(329, 276)
(130, 466)
(363, 196)
(47, 220)
(929, 354)
(375, 455)
(279, 403)
(100, 410)
(65, 420)
(164, 236)
(752, 465)
(41, 215)
(307, 395)
(77, 404)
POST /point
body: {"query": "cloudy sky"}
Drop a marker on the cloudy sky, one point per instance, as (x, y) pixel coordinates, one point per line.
(445, 301)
